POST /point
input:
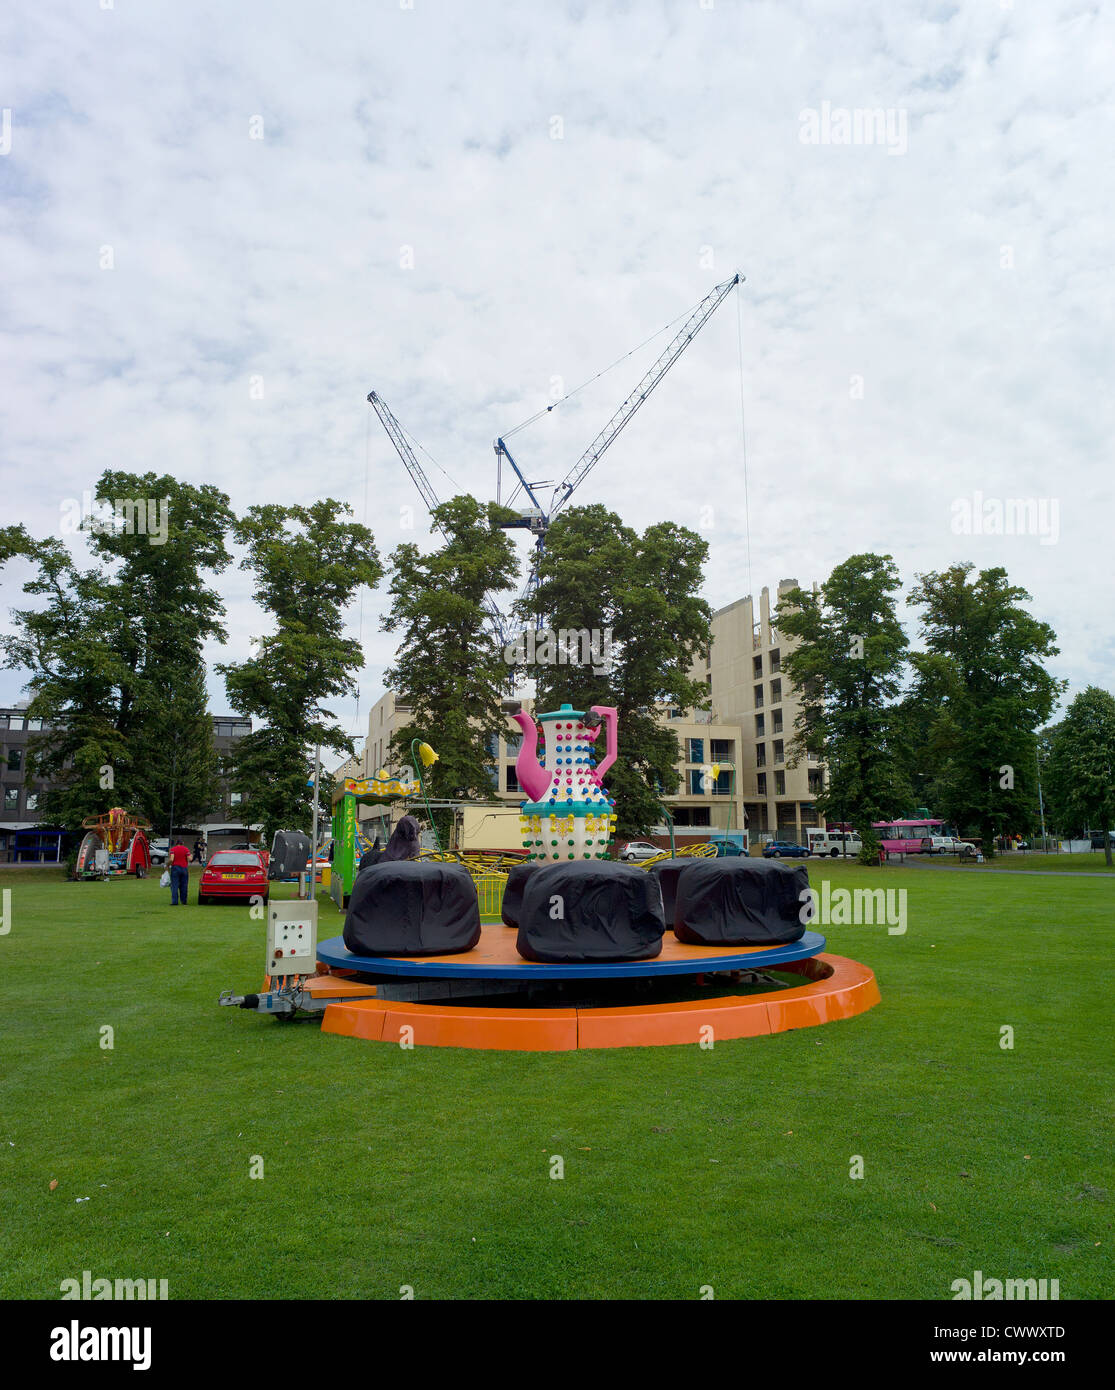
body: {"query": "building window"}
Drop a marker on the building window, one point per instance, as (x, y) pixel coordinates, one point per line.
(676, 714)
(32, 801)
(779, 751)
(775, 660)
(780, 784)
(760, 755)
(34, 725)
(235, 798)
(3, 721)
(15, 759)
(514, 743)
(758, 697)
(761, 783)
(723, 784)
(776, 692)
(696, 753)
(760, 725)
(512, 779)
(492, 745)
(722, 750)
(696, 781)
(776, 722)
(11, 798)
(757, 666)
(816, 781)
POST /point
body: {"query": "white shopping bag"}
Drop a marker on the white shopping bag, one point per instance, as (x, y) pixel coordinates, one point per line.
(164, 882)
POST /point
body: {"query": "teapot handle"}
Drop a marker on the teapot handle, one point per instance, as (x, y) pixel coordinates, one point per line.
(609, 714)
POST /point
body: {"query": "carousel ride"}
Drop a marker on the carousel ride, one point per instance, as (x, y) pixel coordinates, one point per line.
(585, 952)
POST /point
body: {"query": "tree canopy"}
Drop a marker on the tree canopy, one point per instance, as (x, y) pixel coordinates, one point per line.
(307, 562)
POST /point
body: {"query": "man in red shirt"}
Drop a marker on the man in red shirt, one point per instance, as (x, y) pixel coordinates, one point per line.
(179, 860)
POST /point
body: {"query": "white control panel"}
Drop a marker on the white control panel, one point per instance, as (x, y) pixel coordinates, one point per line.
(291, 938)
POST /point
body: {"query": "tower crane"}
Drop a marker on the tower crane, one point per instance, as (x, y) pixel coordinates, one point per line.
(537, 518)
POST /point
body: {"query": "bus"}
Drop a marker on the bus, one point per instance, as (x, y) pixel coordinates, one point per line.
(895, 836)
(905, 836)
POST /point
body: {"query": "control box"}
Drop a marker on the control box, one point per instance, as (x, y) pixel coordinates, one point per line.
(291, 938)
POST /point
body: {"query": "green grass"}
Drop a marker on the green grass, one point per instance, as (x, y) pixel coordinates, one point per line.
(683, 1167)
(1083, 862)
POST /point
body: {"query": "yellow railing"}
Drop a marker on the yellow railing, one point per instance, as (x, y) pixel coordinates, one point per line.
(703, 851)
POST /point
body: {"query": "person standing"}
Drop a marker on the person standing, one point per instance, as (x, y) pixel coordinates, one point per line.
(179, 860)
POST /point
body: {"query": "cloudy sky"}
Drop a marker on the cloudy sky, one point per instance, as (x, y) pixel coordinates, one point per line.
(223, 224)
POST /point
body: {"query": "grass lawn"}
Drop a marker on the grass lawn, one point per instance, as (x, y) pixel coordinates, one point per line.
(1084, 862)
(683, 1167)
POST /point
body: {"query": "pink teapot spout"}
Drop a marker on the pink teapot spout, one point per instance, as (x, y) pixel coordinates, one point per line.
(533, 778)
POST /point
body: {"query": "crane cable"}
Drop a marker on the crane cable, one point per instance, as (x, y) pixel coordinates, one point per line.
(603, 372)
(743, 441)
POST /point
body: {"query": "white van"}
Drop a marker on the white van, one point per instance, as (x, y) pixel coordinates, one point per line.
(834, 843)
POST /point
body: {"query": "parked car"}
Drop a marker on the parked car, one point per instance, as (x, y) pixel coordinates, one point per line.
(233, 875)
(784, 849)
(159, 850)
(639, 849)
(728, 849)
(939, 844)
(834, 843)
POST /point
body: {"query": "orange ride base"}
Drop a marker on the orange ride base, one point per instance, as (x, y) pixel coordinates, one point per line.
(833, 987)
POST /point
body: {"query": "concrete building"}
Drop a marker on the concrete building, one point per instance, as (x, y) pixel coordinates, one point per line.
(750, 694)
(25, 836)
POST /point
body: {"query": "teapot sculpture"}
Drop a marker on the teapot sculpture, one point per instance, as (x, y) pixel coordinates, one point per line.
(568, 815)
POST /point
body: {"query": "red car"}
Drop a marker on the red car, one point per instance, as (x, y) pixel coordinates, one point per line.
(234, 874)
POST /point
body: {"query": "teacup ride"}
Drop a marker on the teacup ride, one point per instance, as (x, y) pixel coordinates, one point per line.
(588, 952)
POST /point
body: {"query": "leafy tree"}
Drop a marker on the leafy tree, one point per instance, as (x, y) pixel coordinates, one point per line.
(308, 563)
(1080, 770)
(450, 668)
(597, 574)
(983, 676)
(173, 760)
(846, 662)
(111, 645)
